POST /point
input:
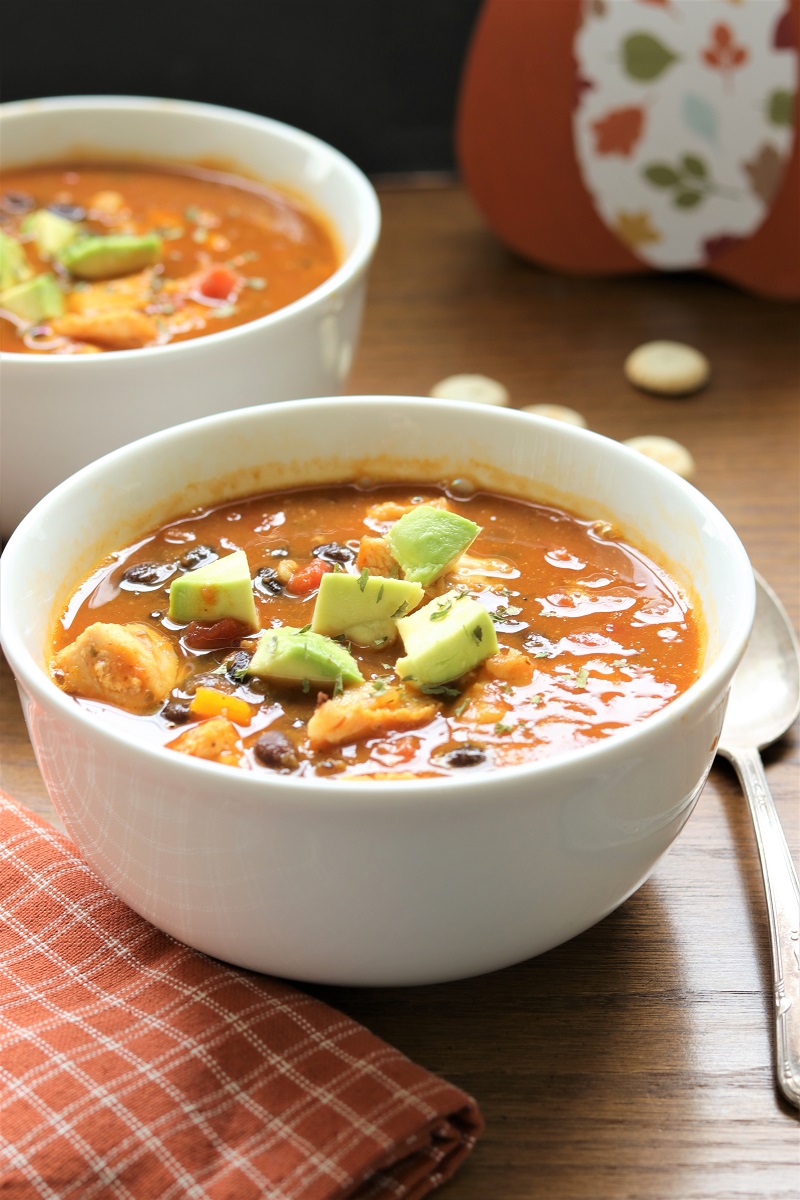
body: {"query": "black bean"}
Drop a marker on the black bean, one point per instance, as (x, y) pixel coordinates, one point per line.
(274, 749)
(198, 556)
(267, 583)
(14, 204)
(70, 212)
(236, 666)
(334, 552)
(176, 711)
(465, 756)
(146, 576)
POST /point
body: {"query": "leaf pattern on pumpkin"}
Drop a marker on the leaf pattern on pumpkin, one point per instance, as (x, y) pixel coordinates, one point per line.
(645, 58)
(636, 229)
(724, 53)
(700, 117)
(619, 131)
(780, 107)
(671, 153)
(765, 171)
(689, 180)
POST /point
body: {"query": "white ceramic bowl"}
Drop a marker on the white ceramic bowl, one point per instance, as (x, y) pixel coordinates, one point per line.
(60, 412)
(366, 882)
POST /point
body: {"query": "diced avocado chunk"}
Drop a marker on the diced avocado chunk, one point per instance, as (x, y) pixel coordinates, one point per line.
(14, 266)
(364, 608)
(35, 300)
(109, 256)
(51, 232)
(220, 589)
(291, 655)
(445, 639)
(427, 540)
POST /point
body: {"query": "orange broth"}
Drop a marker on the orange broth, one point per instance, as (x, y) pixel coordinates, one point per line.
(604, 637)
(232, 251)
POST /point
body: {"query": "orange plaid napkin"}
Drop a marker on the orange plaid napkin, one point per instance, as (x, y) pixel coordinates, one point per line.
(133, 1067)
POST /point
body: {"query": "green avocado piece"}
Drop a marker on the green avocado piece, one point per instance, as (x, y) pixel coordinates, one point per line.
(14, 266)
(445, 639)
(109, 256)
(364, 608)
(51, 232)
(34, 300)
(427, 540)
(220, 589)
(291, 655)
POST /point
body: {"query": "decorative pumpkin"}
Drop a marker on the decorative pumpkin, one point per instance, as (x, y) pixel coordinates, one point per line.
(612, 136)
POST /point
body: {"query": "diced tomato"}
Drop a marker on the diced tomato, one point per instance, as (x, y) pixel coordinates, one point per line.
(219, 283)
(307, 579)
(200, 635)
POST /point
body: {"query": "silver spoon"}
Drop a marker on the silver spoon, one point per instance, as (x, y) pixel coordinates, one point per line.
(764, 702)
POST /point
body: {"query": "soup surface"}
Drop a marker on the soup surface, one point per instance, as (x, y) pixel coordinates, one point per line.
(120, 257)
(591, 636)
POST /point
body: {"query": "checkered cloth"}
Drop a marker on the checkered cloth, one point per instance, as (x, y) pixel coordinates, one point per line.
(132, 1067)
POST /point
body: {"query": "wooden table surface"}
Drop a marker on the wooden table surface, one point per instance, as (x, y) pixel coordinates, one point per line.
(636, 1060)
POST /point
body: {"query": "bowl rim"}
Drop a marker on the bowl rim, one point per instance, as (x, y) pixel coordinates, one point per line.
(354, 263)
(325, 791)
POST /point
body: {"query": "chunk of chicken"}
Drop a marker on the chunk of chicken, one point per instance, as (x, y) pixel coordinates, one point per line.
(215, 739)
(484, 705)
(132, 666)
(132, 291)
(512, 666)
(391, 510)
(119, 329)
(107, 202)
(375, 555)
(363, 711)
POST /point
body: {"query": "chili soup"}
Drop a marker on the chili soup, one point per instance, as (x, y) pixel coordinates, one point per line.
(103, 258)
(386, 632)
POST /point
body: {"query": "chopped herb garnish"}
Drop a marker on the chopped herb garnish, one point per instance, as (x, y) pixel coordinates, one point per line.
(442, 610)
(537, 699)
(338, 686)
(200, 234)
(381, 641)
(362, 579)
(503, 727)
(398, 612)
(620, 662)
(504, 611)
(461, 707)
(306, 685)
(305, 629)
(436, 689)
(379, 685)
(256, 282)
(223, 310)
(543, 653)
(477, 633)
(581, 677)
(379, 596)
(192, 212)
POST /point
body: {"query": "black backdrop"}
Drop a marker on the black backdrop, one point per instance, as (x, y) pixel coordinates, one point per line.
(376, 78)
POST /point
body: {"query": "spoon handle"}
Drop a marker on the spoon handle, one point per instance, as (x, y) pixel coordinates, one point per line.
(783, 906)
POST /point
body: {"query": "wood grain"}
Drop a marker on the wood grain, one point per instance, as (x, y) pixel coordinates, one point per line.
(635, 1062)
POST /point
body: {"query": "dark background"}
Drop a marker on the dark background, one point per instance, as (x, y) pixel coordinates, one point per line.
(378, 79)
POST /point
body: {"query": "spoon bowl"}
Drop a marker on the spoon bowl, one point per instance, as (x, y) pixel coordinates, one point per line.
(764, 699)
(764, 702)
